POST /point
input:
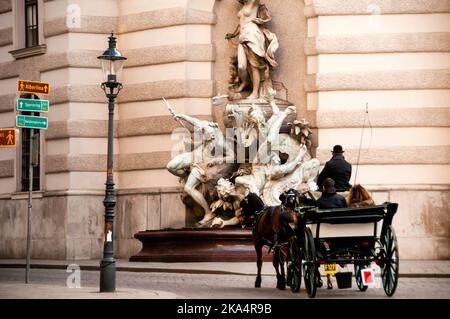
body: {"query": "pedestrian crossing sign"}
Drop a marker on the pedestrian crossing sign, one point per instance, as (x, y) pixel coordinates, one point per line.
(7, 137)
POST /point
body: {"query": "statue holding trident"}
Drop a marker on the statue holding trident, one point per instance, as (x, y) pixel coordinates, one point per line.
(208, 160)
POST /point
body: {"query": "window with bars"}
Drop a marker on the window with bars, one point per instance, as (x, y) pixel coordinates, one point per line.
(25, 138)
(31, 23)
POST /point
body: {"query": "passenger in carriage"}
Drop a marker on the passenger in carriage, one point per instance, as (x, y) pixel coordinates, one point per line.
(329, 198)
(359, 196)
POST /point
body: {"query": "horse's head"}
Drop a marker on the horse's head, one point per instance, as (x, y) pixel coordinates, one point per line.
(290, 198)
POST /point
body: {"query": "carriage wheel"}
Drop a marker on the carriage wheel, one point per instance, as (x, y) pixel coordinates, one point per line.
(359, 282)
(294, 269)
(390, 261)
(309, 262)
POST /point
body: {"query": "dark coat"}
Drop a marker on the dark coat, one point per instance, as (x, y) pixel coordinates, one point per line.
(339, 170)
(331, 200)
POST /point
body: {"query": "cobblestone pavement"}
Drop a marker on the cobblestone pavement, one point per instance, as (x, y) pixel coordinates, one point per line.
(224, 286)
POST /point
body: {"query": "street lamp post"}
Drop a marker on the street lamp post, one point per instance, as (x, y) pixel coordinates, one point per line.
(112, 62)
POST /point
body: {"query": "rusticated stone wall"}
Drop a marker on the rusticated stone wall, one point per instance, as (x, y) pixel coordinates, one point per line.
(395, 57)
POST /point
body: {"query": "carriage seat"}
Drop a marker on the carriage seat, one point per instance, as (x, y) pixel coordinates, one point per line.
(350, 215)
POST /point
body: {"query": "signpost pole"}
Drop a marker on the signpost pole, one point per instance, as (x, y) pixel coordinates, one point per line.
(30, 206)
(31, 122)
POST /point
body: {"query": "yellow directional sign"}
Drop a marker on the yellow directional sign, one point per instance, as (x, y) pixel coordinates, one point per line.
(7, 137)
(33, 87)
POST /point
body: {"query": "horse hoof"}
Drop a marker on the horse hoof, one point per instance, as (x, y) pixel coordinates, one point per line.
(257, 285)
(281, 285)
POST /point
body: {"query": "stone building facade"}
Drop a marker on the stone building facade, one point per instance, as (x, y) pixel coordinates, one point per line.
(335, 56)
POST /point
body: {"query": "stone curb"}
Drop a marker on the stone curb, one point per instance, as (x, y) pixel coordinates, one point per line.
(189, 270)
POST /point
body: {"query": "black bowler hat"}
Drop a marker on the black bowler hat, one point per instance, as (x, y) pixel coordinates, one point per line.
(338, 149)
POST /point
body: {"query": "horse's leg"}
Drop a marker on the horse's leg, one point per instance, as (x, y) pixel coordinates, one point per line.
(276, 264)
(282, 275)
(258, 248)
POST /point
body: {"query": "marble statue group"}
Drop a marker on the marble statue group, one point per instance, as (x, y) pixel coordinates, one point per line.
(269, 150)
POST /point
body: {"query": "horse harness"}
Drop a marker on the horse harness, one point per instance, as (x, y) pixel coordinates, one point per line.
(258, 216)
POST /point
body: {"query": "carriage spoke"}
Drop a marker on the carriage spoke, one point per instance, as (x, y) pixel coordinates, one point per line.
(391, 277)
(384, 270)
(393, 267)
(386, 276)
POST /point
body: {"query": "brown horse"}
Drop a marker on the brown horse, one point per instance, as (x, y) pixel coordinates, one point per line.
(271, 228)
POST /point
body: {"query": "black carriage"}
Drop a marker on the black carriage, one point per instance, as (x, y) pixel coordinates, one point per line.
(307, 252)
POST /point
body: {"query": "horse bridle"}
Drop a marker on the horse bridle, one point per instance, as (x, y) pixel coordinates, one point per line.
(291, 199)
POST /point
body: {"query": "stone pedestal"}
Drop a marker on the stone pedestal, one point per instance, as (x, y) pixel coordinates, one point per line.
(197, 245)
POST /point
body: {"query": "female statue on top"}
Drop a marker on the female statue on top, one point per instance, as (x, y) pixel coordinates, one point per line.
(255, 50)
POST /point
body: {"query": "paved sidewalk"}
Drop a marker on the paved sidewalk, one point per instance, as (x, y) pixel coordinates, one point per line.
(34, 291)
(408, 268)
